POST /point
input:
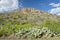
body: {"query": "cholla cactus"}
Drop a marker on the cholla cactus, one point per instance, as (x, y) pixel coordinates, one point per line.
(35, 32)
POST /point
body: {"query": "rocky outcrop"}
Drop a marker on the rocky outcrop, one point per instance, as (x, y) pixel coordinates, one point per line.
(30, 10)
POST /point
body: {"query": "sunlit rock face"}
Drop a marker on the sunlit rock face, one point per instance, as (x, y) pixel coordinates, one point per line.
(8, 5)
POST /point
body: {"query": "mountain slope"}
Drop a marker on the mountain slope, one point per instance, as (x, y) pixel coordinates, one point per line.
(27, 15)
(29, 22)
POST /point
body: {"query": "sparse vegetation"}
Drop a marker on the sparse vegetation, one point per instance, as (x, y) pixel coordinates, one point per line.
(24, 29)
(29, 24)
(52, 25)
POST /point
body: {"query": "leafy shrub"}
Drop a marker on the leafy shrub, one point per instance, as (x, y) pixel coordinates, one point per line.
(11, 27)
(46, 28)
(52, 25)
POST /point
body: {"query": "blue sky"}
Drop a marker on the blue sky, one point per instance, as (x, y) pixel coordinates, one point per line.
(51, 6)
(45, 5)
(38, 4)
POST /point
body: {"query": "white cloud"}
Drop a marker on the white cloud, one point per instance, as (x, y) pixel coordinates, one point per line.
(8, 5)
(55, 5)
(55, 9)
(58, 14)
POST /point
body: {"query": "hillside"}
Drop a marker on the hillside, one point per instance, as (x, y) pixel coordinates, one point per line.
(29, 23)
(27, 15)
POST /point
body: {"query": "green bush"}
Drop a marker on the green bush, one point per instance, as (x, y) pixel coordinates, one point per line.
(13, 27)
(30, 29)
(52, 25)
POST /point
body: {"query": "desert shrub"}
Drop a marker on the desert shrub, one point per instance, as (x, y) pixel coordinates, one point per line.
(21, 27)
(52, 25)
(13, 27)
(46, 28)
(35, 32)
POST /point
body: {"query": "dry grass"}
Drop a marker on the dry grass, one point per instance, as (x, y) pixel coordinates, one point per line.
(50, 38)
